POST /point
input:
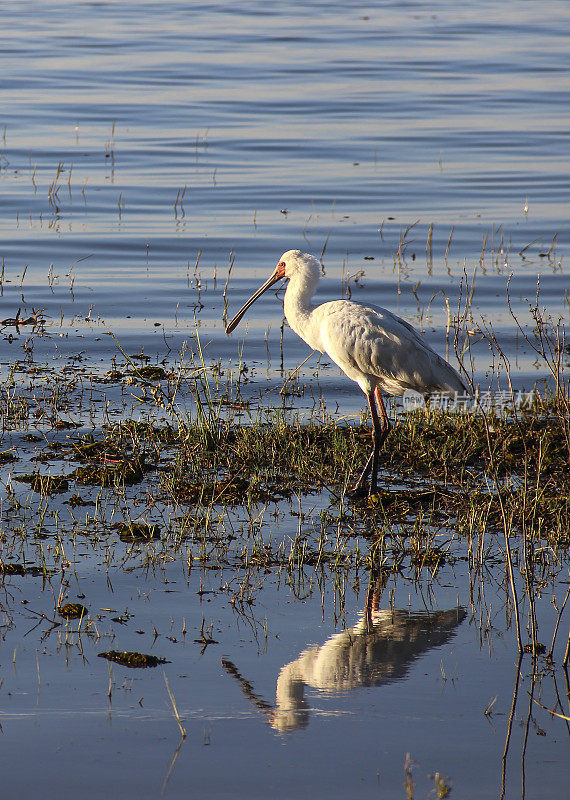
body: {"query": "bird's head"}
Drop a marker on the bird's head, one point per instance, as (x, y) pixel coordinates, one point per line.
(295, 262)
(292, 264)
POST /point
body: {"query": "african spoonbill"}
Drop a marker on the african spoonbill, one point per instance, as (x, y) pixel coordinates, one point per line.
(372, 346)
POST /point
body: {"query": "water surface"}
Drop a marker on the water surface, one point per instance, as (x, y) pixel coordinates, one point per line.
(144, 149)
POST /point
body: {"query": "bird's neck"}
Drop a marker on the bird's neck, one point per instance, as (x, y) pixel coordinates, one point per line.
(298, 307)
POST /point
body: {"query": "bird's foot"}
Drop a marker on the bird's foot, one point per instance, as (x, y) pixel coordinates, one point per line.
(358, 491)
(374, 498)
(373, 488)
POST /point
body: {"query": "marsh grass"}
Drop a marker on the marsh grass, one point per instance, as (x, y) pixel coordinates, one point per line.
(200, 487)
(444, 475)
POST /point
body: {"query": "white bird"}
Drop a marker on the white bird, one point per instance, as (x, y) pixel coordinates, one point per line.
(372, 346)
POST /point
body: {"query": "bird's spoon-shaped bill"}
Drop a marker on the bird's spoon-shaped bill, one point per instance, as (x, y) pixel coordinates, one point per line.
(277, 275)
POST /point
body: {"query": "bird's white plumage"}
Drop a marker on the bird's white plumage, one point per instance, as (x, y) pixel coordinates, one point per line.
(373, 346)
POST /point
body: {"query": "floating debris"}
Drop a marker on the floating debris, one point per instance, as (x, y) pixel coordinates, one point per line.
(400, 503)
(151, 373)
(44, 484)
(230, 491)
(430, 557)
(63, 424)
(35, 319)
(137, 531)
(72, 611)
(132, 659)
(124, 472)
(537, 649)
(77, 500)
(12, 569)
(113, 376)
(20, 569)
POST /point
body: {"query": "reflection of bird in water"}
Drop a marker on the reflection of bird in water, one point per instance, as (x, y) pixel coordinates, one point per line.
(380, 648)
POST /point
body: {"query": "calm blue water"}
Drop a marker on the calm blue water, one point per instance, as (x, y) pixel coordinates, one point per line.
(168, 131)
(137, 139)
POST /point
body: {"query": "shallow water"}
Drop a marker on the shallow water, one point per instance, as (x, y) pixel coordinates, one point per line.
(294, 696)
(237, 133)
(146, 147)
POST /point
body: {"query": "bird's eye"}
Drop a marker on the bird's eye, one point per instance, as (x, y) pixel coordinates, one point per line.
(281, 264)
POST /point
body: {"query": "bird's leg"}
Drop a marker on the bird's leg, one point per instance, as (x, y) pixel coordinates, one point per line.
(358, 487)
(378, 437)
(363, 475)
(373, 596)
(376, 441)
(380, 430)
